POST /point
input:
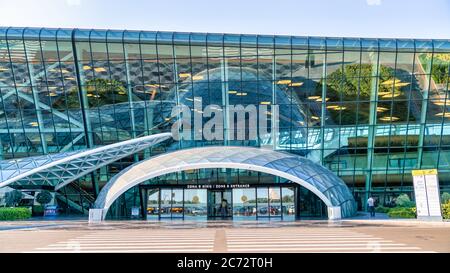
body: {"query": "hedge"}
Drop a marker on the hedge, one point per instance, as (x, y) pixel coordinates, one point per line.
(14, 213)
(402, 212)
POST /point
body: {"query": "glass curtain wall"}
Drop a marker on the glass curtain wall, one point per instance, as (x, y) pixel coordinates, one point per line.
(371, 110)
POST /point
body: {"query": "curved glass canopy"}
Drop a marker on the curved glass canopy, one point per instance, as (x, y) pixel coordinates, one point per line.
(322, 182)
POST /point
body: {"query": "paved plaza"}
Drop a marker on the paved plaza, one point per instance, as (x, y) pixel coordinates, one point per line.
(221, 236)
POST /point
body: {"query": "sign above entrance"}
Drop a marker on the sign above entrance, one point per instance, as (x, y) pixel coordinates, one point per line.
(426, 190)
(218, 186)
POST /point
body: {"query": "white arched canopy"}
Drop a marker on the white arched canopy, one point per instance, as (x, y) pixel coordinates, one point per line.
(319, 180)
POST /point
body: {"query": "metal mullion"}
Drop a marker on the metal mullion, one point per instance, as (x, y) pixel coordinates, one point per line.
(408, 118)
(130, 92)
(35, 98)
(424, 109)
(46, 81)
(193, 94)
(176, 83)
(64, 88)
(446, 99)
(340, 110)
(146, 122)
(7, 128)
(372, 121)
(390, 126)
(95, 87)
(17, 92)
(112, 91)
(323, 105)
(358, 97)
(81, 95)
(159, 71)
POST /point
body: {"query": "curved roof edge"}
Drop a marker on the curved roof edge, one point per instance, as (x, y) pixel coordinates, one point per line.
(288, 41)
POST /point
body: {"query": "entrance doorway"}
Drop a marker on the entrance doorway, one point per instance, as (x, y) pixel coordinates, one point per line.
(220, 204)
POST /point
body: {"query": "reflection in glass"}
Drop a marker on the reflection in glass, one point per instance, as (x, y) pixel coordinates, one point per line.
(153, 204)
(195, 203)
(263, 202)
(288, 203)
(244, 203)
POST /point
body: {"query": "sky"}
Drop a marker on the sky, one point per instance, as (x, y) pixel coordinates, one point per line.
(335, 18)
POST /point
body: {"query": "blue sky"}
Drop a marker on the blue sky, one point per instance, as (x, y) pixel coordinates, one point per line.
(352, 18)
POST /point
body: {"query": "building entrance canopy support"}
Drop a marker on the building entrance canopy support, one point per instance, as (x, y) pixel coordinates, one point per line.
(319, 180)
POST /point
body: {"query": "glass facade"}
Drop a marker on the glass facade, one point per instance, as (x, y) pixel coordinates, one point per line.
(252, 196)
(370, 110)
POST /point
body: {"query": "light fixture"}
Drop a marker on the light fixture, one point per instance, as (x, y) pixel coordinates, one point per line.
(295, 84)
(336, 107)
(442, 103)
(3, 69)
(52, 94)
(152, 85)
(389, 118)
(70, 78)
(34, 123)
(313, 97)
(391, 95)
(121, 93)
(284, 82)
(265, 102)
(89, 95)
(446, 115)
(197, 78)
(401, 84)
(241, 94)
(184, 75)
(86, 67)
(232, 92)
(320, 99)
(391, 81)
(382, 109)
(65, 71)
(315, 117)
(99, 69)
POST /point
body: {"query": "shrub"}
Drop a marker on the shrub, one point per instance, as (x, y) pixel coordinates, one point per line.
(14, 213)
(44, 197)
(402, 212)
(38, 210)
(445, 197)
(446, 210)
(382, 209)
(404, 201)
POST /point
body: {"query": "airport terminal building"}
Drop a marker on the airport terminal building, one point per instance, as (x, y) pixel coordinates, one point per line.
(171, 125)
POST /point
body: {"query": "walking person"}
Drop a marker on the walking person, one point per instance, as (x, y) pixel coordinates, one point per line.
(371, 205)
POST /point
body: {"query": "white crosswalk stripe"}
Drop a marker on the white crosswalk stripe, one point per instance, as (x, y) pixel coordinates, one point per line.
(136, 241)
(304, 240)
(236, 240)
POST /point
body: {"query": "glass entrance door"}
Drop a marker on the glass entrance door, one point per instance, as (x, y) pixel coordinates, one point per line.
(220, 204)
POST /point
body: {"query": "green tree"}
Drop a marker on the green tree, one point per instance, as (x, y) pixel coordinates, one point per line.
(44, 197)
(445, 197)
(404, 201)
(354, 82)
(13, 198)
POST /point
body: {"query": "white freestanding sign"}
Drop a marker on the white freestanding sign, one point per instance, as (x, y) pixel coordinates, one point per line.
(426, 190)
